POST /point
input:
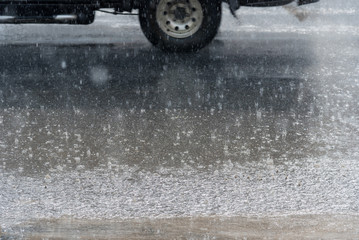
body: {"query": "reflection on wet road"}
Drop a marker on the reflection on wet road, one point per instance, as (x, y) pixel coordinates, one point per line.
(264, 124)
(111, 104)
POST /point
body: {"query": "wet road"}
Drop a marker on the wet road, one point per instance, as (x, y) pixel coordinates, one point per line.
(97, 124)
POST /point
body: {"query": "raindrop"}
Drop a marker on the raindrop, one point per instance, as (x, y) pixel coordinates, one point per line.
(63, 64)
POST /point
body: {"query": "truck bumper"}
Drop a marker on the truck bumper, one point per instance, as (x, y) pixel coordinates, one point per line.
(235, 4)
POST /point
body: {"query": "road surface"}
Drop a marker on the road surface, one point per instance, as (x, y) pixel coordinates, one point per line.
(102, 135)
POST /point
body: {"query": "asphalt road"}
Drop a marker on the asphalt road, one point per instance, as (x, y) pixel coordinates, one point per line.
(260, 127)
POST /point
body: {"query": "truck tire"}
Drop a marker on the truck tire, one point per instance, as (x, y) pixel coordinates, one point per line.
(85, 17)
(180, 25)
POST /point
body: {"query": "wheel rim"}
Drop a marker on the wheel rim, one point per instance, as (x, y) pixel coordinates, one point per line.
(179, 18)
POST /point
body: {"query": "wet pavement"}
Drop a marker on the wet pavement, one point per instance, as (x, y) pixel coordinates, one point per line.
(95, 124)
(279, 227)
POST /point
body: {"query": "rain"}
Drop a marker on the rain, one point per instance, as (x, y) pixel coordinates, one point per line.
(105, 136)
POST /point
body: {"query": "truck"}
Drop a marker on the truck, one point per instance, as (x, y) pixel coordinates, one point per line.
(171, 25)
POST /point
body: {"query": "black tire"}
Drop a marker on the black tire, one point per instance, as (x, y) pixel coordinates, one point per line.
(85, 18)
(202, 33)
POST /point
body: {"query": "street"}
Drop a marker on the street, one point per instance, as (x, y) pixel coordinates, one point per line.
(97, 126)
